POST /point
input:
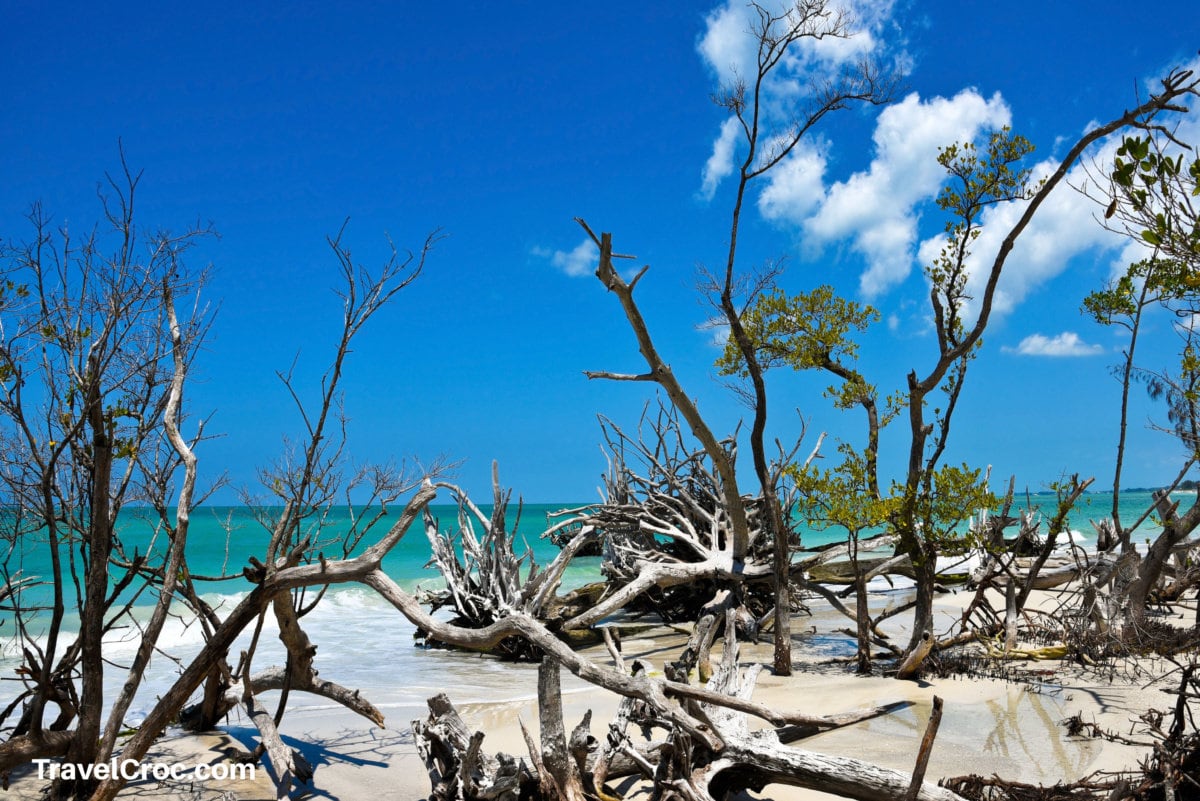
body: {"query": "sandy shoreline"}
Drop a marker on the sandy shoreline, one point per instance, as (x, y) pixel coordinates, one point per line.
(989, 727)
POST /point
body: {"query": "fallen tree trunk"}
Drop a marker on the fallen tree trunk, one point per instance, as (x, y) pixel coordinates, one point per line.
(757, 762)
(276, 678)
(910, 668)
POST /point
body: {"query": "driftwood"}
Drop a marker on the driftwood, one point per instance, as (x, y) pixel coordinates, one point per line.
(288, 764)
(489, 579)
(562, 760)
(700, 760)
(458, 769)
(668, 537)
(752, 760)
(910, 668)
(918, 777)
(276, 678)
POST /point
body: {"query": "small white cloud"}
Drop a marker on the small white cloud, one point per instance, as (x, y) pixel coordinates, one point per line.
(581, 261)
(870, 20)
(1067, 343)
(718, 331)
(731, 50)
(720, 164)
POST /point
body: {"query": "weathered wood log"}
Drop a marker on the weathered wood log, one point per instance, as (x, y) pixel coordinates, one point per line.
(755, 762)
(918, 777)
(696, 654)
(910, 668)
(556, 755)
(289, 765)
(276, 678)
(458, 768)
(842, 571)
(840, 551)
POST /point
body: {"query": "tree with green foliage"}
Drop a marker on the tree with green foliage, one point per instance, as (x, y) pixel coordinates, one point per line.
(813, 331)
(1151, 196)
(766, 146)
(842, 497)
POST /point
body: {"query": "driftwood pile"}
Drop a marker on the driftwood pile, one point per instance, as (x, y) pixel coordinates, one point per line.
(706, 750)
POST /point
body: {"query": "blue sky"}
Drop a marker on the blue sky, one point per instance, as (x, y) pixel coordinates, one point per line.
(501, 122)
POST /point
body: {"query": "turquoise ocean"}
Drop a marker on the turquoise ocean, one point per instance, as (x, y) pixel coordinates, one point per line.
(362, 641)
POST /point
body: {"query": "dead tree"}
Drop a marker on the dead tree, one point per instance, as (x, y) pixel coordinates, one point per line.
(489, 579)
(94, 358)
(289, 573)
(660, 372)
(668, 537)
(92, 361)
(307, 483)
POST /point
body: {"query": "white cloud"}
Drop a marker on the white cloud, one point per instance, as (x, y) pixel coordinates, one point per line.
(795, 186)
(868, 18)
(877, 211)
(726, 44)
(1067, 343)
(720, 164)
(1063, 228)
(876, 208)
(730, 49)
(581, 261)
